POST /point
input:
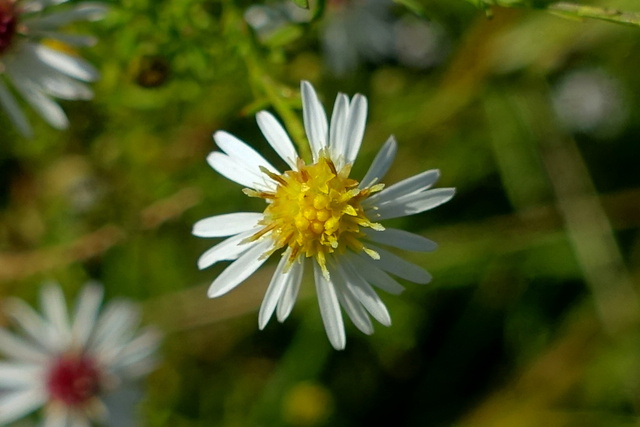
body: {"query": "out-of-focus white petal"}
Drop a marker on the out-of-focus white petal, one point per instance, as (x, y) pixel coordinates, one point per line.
(82, 12)
(240, 269)
(315, 119)
(10, 105)
(54, 309)
(277, 138)
(16, 404)
(79, 40)
(116, 325)
(20, 375)
(55, 416)
(329, 309)
(15, 347)
(47, 108)
(381, 163)
(136, 357)
(401, 239)
(227, 224)
(32, 324)
(86, 313)
(69, 65)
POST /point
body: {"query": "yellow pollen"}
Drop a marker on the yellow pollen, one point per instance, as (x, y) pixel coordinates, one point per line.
(316, 210)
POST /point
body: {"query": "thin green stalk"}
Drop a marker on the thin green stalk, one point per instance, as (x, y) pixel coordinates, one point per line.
(265, 83)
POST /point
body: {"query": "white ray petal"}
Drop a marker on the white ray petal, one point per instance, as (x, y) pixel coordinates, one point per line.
(351, 304)
(373, 274)
(31, 323)
(54, 308)
(238, 150)
(414, 184)
(87, 309)
(315, 119)
(365, 294)
(277, 285)
(401, 239)
(137, 357)
(412, 204)
(79, 40)
(85, 11)
(17, 348)
(337, 135)
(381, 163)
(45, 106)
(227, 250)
(69, 65)
(291, 290)
(17, 404)
(277, 138)
(329, 309)
(10, 105)
(20, 375)
(237, 171)
(55, 416)
(226, 224)
(240, 269)
(115, 326)
(400, 267)
(355, 127)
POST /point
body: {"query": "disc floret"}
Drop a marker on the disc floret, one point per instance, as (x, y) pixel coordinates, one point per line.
(8, 23)
(316, 210)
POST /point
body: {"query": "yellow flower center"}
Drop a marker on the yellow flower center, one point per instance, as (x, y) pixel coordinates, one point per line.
(316, 210)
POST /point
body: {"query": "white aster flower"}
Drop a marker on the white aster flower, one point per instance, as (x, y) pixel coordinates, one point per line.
(68, 365)
(37, 72)
(321, 219)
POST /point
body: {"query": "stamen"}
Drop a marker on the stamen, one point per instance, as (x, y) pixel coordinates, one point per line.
(315, 210)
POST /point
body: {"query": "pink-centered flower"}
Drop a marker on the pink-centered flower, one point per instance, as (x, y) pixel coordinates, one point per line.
(68, 365)
(319, 219)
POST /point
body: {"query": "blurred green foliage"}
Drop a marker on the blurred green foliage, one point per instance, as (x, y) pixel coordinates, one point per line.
(532, 316)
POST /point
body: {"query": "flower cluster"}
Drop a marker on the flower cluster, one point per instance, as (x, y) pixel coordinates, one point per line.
(68, 365)
(319, 218)
(36, 71)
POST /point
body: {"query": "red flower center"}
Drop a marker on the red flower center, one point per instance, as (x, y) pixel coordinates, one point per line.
(73, 380)
(8, 23)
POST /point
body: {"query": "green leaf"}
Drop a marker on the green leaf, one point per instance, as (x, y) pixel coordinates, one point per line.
(302, 3)
(413, 6)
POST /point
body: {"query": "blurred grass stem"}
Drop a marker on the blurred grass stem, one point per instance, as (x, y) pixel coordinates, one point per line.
(587, 224)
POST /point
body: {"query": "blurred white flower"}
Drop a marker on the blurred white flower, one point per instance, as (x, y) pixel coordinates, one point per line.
(419, 43)
(356, 31)
(322, 219)
(590, 101)
(66, 365)
(36, 71)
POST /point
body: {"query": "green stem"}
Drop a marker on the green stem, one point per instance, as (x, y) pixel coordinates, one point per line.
(264, 82)
(568, 9)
